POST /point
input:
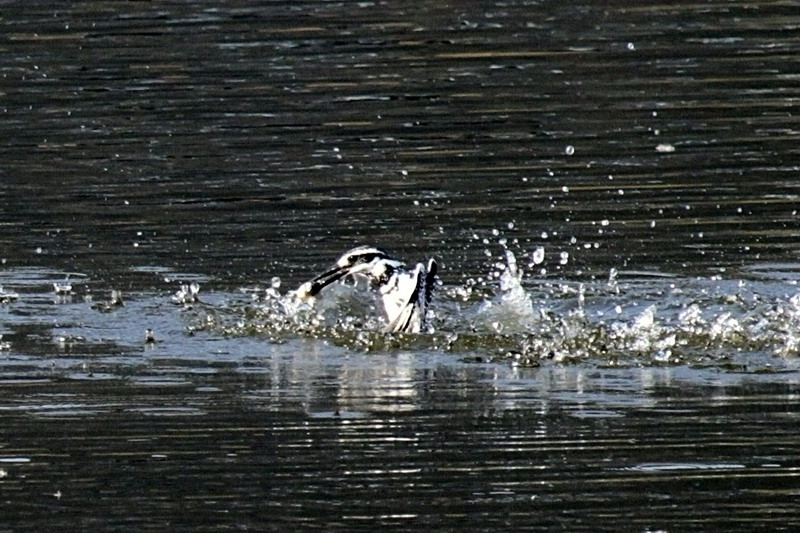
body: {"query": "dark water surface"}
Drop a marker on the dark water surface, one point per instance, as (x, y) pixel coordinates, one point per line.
(611, 189)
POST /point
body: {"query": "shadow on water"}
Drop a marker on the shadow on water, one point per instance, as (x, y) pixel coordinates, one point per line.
(610, 190)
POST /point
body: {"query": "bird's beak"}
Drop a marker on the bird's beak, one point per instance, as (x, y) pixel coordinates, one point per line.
(312, 288)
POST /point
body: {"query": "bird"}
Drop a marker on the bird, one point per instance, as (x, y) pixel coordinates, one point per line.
(405, 292)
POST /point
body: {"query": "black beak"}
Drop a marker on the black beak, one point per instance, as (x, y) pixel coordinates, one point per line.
(323, 280)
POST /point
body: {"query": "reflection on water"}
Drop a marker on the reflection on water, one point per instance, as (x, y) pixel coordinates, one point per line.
(315, 441)
(610, 191)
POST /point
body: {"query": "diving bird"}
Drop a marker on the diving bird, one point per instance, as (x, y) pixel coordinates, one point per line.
(405, 292)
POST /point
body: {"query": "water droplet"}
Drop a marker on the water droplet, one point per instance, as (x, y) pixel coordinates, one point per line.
(538, 255)
(569, 150)
(665, 148)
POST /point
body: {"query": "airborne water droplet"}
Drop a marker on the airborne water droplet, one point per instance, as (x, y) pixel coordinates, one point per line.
(538, 255)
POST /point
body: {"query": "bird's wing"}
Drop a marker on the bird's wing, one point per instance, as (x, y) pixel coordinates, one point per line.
(404, 308)
(430, 280)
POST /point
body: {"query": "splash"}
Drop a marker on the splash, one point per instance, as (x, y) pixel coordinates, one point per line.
(628, 318)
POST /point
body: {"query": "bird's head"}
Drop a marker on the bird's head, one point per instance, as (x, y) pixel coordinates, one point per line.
(365, 260)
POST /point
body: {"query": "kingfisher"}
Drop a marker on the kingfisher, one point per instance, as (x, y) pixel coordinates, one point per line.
(405, 292)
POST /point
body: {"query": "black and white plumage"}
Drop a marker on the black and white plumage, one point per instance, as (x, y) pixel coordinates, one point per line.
(405, 292)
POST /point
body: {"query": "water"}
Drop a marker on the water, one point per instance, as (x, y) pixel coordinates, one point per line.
(610, 190)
